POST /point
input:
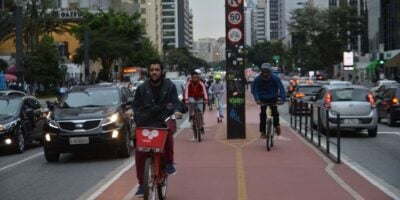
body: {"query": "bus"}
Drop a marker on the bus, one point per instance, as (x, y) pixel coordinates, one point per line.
(133, 74)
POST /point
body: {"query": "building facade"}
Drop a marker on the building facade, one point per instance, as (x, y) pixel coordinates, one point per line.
(151, 17)
(177, 24)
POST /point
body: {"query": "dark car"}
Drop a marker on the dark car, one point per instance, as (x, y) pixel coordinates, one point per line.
(21, 121)
(305, 93)
(388, 105)
(90, 118)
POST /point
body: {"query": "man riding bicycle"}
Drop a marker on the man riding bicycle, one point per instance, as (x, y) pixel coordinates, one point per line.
(195, 93)
(217, 89)
(265, 90)
(155, 100)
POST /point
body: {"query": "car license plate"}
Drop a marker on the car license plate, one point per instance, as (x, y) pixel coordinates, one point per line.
(79, 140)
(350, 121)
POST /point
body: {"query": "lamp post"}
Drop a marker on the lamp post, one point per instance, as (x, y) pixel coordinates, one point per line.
(18, 42)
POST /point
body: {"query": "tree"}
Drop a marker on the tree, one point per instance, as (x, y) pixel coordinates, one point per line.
(43, 64)
(37, 22)
(142, 54)
(184, 60)
(114, 36)
(263, 52)
(319, 37)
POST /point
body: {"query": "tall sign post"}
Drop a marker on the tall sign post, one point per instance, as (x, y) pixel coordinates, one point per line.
(235, 68)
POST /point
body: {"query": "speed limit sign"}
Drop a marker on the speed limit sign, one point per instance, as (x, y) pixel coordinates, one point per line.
(235, 35)
(234, 3)
(235, 17)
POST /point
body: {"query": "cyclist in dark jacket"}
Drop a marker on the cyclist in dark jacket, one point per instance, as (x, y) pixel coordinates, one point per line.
(265, 89)
(155, 100)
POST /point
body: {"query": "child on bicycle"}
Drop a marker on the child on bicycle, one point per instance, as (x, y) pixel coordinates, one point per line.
(195, 92)
(217, 89)
(265, 90)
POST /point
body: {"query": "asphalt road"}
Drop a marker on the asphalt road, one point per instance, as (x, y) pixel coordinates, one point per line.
(29, 176)
(377, 158)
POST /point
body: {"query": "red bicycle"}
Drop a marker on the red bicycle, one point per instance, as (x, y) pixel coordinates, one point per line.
(151, 141)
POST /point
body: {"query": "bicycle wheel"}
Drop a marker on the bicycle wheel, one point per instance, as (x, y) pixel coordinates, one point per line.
(148, 180)
(269, 134)
(198, 123)
(162, 188)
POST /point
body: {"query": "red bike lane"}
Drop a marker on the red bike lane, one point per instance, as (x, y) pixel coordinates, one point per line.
(242, 169)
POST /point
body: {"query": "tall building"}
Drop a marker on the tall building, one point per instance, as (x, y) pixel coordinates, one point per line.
(262, 29)
(276, 19)
(249, 23)
(177, 23)
(383, 25)
(151, 17)
(210, 49)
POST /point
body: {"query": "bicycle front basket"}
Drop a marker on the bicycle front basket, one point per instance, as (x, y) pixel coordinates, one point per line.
(151, 139)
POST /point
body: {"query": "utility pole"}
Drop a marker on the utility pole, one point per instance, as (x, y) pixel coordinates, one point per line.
(86, 54)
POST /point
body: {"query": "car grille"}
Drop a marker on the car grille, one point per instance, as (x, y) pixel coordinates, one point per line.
(79, 125)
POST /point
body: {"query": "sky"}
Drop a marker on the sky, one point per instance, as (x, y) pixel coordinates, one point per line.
(208, 18)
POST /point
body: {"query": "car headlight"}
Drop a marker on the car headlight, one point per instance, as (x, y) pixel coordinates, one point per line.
(6, 126)
(111, 119)
(52, 123)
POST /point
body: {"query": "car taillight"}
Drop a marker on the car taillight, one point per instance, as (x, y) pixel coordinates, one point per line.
(299, 95)
(371, 100)
(328, 100)
(395, 101)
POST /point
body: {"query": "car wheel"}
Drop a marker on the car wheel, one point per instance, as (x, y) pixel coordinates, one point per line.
(20, 142)
(125, 148)
(390, 120)
(51, 156)
(373, 132)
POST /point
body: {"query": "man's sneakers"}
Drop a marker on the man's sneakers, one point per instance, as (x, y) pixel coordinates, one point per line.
(171, 169)
(140, 191)
(278, 130)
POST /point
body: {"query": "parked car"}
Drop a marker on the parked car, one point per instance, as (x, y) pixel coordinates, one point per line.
(305, 93)
(12, 93)
(388, 105)
(90, 118)
(21, 122)
(355, 104)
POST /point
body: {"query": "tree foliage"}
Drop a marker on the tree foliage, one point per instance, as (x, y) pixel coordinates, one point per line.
(114, 36)
(184, 60)
(319, 37)
(263, 52)
(37, 21)
(42, 65)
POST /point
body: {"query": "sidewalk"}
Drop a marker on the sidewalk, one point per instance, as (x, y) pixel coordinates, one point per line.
(221, 169)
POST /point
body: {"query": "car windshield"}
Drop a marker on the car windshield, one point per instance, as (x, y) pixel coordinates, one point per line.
(92, 97)
(309, 90)
(350, 94)
(9, 106)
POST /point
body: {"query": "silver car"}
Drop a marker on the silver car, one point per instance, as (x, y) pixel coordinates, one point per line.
(355, 104)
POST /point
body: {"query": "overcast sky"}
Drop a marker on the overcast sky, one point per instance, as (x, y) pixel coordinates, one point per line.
(208, 18)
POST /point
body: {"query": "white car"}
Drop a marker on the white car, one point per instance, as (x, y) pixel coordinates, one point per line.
(383, 84)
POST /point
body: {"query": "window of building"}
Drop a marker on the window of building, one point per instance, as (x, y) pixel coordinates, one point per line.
(144, 21)
(143, 10)
(142, 1)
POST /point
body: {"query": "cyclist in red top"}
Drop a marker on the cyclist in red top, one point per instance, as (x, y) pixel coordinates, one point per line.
(195, 92)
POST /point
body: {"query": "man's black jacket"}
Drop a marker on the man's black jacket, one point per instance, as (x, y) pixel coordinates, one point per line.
(150, 114)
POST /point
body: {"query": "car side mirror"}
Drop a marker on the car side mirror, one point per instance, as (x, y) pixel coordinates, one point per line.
(50, 105)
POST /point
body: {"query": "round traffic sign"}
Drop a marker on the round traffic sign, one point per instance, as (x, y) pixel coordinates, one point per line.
(235, 35)
(234, 3)
(235, 17)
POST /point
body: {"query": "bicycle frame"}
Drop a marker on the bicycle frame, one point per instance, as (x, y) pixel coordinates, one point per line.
(197, 121)
(270, 130)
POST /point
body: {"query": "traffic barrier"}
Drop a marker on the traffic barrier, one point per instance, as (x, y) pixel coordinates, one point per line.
(304, 112)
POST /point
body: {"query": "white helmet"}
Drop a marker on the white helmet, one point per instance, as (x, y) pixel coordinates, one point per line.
(197, 71)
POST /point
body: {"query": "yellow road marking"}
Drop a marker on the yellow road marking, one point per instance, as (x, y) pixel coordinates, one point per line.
(238, 144)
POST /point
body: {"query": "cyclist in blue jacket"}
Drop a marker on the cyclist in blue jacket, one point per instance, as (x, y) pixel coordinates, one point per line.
(265, 89)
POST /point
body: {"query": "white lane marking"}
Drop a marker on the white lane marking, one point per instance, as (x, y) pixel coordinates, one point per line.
(21, 161)
(385, 187)
(100, 187)
(329, 168)
(110, 178)
(392, 133)
(131, 193)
